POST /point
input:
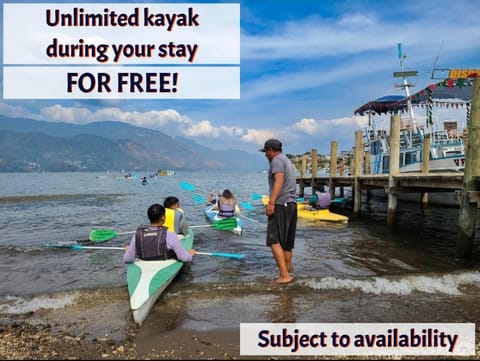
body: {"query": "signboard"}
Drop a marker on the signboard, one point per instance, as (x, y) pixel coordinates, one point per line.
(463, 73)
(399, 74)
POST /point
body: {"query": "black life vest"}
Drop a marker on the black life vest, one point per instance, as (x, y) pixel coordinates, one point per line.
(151, 243)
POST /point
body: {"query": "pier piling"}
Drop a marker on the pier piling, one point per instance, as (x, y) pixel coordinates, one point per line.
(471, 180)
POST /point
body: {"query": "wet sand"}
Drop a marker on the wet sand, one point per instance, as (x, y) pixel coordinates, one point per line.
(98, 325)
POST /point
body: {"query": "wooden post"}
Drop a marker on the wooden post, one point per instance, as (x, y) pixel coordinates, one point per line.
(358, 153)
(425, 168)
(314, 168)
(341, 170)
(357, 171)
(394, 161)
(367, 162)
(367, 171)
(303, 171)
(333, 167)
(468, 210)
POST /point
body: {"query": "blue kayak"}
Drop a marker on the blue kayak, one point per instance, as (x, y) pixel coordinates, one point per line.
(212, 216)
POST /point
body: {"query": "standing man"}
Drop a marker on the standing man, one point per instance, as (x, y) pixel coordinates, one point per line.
(281, 209)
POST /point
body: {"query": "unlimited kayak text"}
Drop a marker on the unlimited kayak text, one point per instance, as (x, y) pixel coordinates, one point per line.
(125, 82)
(100, 51)
(79, 17)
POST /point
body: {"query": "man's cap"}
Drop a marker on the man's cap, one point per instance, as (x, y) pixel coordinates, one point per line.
(273, 144)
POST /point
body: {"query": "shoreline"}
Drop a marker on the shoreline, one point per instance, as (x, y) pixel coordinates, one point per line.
(98, 325)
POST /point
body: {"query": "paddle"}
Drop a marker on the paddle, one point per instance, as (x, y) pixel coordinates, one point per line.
(250, 219)
(197, 198)
(189, 187)
(80, 247)
(258, 196)
(226, 224)
(247, 206)
(103, 235)
(221, 254)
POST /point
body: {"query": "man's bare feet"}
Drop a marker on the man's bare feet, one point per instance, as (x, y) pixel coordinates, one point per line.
(283, 280)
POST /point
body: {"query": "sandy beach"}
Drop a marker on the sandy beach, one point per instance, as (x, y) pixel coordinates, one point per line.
(98, 325)
(93, 328)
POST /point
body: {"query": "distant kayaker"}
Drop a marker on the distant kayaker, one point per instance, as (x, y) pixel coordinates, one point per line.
(156, 241)
(174, 216)
(226, 204)
(281, 209)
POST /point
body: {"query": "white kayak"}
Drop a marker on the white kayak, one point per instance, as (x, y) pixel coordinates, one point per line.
(147, 280)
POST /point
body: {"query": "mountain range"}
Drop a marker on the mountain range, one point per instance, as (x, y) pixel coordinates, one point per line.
(31, 145)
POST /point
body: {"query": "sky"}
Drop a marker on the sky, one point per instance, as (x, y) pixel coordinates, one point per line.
(305, 66)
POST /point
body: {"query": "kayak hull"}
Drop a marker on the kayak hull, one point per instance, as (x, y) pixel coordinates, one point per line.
(305, 212)
(320, 214)
(213, 217)
(147, 280)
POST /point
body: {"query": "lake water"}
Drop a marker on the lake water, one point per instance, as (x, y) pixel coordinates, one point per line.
(361, 258)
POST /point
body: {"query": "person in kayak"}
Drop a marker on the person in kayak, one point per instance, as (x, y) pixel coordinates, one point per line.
(320, 199)
(226, 204)
(174, 216)
(156, 242)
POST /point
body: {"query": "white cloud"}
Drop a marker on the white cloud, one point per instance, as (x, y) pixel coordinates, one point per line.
(356, 20)
(205, 129)
(259, 136)
(59, 113)
(307, 125)
(312, 126)
(202, 129)
(15, 111)
(155, 119)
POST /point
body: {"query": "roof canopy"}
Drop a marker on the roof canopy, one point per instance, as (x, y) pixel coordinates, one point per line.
(458, 89)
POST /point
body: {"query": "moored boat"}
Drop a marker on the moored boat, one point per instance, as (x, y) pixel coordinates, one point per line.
(306, 212)
(163, 173)
(446, 151)
(213, 217)
(147, 280)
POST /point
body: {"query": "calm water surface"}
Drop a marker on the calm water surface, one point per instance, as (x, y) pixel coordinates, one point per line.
(363, 256)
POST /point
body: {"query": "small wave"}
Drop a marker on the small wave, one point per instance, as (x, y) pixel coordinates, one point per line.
(56, 197)
(447, 284)
(19, 305)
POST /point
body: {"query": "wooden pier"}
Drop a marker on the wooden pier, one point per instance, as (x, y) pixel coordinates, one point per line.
(466, 183)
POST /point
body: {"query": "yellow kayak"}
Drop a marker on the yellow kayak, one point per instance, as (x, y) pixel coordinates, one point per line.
(305, 212)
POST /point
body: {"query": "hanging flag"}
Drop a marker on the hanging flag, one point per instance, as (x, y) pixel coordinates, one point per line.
(399, 48)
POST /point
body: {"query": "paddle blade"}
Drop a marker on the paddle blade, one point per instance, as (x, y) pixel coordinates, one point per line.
(247, 206)
(102, 235)
(221, 254)
(225, 224)
(187, 186)
(256, 196)
(197, 198)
